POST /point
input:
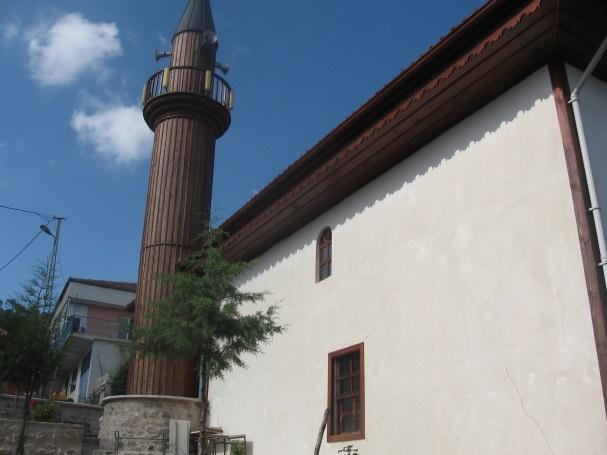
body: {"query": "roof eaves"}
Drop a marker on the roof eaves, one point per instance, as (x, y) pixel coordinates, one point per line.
(117, 285)
(435, 56)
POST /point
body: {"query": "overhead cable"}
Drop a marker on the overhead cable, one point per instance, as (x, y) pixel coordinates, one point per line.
(20, 252)
(31, 212)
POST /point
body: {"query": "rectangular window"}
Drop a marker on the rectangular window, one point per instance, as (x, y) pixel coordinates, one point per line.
(346, 394)
(76, 324)
(124, 328)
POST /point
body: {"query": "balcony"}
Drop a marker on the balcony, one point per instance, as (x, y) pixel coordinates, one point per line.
(75, 336)
(91, 328)
(186, 79)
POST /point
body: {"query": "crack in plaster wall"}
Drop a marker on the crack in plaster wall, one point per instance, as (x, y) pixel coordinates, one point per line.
(457, 269)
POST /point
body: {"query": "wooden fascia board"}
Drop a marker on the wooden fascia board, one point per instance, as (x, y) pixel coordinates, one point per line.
(595, 283)
(581, 26)
(434, 61)
(561, 19)
(249, 237)
(537, 30)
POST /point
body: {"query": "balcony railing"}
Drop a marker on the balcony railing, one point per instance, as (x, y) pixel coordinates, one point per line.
(190, 80)
(115, 330)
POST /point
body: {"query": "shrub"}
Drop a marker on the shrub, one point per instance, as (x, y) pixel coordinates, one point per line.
(119, 380)
(237, 448)
(45, 411)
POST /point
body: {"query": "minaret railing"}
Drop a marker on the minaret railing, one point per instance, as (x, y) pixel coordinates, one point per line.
(207, 84)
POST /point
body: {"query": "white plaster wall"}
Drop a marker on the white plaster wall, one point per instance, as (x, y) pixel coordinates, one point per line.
(100, 294)
(106, 357)
(593, 104)
(460, 270)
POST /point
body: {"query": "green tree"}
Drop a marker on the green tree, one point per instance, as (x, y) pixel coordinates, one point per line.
(203, 318)
(27, 360)
(118, 380)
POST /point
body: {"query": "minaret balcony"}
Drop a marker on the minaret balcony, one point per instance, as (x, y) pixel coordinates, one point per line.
(186, 79)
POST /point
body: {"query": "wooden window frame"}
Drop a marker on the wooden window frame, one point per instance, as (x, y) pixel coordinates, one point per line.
(360, 434)
(320, 244)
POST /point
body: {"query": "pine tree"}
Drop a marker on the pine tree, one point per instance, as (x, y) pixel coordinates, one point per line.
(203, 318)
(28, 360)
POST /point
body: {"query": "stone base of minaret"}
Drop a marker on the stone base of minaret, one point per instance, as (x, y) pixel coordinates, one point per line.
(139, 424)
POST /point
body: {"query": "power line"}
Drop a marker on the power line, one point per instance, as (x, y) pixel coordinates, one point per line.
(31, 212)
(20, 252)
(61, 269)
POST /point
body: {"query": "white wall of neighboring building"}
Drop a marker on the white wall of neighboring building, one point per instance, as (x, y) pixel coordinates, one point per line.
(100, 294)
(106, 358)
(593, 104)
(460, 269)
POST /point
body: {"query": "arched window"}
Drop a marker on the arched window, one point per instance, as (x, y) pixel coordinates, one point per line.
(324, 253)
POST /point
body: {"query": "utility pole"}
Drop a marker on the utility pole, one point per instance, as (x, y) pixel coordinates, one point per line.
(52, 266)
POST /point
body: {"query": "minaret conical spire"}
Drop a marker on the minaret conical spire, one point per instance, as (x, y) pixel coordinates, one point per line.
(197, 17)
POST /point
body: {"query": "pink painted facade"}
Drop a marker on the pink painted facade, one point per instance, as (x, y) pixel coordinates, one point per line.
(106, 322)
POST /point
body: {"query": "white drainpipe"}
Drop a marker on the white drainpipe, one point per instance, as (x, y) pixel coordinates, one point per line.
(594, 203)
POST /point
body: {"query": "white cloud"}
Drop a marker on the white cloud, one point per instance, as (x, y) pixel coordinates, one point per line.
(10, 31)
(117, 133)
(71, 46)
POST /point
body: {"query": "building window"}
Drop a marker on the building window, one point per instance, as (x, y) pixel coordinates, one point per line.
(77, 326)
(324, 253)
(346, 394)
(124, 328)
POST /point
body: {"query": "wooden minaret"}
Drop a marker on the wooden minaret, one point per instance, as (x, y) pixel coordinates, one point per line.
(188, 107)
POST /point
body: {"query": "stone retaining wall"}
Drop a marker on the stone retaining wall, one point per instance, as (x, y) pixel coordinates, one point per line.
(42, 438)
(81, 414)
(146, 418)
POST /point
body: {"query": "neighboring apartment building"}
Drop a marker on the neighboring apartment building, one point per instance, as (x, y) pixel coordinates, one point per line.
(92, 323)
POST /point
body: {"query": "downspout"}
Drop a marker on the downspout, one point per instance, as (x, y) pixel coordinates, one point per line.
(594, 203)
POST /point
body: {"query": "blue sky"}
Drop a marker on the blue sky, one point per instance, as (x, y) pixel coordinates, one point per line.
(72, 140)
